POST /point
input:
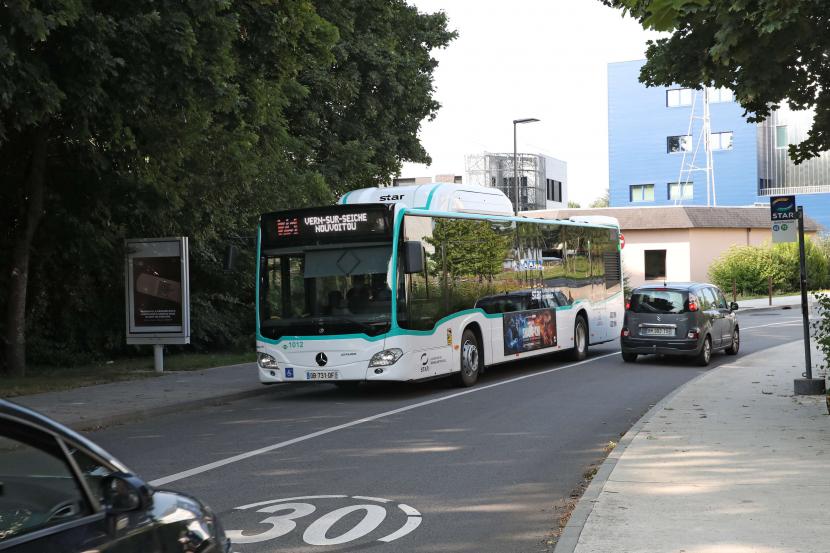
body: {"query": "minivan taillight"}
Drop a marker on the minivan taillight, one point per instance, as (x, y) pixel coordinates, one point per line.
(624, 332)
(628, 305)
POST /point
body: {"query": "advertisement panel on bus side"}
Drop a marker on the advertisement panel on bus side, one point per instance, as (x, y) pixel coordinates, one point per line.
(529, 330)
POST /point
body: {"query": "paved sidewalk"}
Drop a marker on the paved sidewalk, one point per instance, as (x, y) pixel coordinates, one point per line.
(731, 462)
(117, 402)
(763, 303)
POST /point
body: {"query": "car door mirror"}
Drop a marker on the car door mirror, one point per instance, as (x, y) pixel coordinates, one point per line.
(733, 306)
(124, 493)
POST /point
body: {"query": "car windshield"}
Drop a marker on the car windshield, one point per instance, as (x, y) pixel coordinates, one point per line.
(658, 301)
(326, 291)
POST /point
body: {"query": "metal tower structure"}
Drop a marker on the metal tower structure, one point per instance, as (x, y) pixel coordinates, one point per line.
(703, 139)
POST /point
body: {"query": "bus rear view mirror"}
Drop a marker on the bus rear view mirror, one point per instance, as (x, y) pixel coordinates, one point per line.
(413, 256)
(230, 258)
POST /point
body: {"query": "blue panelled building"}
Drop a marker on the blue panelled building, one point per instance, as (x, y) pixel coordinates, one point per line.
(655, 144)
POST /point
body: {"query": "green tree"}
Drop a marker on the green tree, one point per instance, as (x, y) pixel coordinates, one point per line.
(768, 52)
(362, 119)
(573, 205)
(141, 119)
(602, 201)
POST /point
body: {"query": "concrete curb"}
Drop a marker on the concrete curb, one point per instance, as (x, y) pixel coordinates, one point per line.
(570, 535)
(138, 414)
(789, 306)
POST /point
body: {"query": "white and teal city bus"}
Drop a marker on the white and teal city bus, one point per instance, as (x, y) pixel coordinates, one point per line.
(419, 282)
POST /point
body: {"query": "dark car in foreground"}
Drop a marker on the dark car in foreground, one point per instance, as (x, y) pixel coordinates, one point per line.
(60, 492)
(685, 319)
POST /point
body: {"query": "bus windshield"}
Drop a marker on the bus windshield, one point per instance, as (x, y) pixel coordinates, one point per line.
(320, 291)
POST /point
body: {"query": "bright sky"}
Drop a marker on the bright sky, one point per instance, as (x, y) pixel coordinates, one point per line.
(528, 58)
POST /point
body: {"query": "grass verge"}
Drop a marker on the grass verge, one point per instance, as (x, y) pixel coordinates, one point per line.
(41, 379)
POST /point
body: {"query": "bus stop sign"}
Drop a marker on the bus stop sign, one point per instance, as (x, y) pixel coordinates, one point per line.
(783, 219)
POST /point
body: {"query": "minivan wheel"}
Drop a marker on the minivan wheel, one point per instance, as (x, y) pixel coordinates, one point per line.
(736, 342)
(470, 360)
(705, 354)
(629, 357)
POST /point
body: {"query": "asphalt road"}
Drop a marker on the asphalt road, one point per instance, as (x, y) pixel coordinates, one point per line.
(411, 468)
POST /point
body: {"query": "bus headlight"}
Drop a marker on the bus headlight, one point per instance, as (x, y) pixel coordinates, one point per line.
(386, 357)
(266, 361)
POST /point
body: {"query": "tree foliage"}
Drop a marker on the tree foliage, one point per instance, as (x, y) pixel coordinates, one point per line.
(188, 118)
(767, 51)
(602, 201)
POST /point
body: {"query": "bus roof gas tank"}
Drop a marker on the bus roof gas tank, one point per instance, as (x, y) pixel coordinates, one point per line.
(596, 220)
(443, 197)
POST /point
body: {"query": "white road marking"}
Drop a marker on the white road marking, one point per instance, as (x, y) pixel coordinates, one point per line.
(253, 453)
(270, 501)
(411, 524)
(365, 498)
(248, 454)
(317, 532)
(784, 323)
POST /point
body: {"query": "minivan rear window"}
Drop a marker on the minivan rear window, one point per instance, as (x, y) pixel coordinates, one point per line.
(658, 301)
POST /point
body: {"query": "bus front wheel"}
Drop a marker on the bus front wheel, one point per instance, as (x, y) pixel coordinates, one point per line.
(470, 360)
(580, 350)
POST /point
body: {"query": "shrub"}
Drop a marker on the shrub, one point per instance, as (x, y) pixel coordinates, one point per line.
(750, 267)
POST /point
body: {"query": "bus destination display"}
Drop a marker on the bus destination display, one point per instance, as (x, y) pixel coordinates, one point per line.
(336, 224)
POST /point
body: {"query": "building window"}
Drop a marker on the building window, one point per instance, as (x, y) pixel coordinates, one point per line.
(720, 95)
(642, 193)
(681, 190)
(782, 139)
(677, 97)
(554, 190)
(675, 144)
(655, 268)
(721, 140)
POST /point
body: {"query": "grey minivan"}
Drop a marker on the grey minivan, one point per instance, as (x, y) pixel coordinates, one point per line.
(686, 319)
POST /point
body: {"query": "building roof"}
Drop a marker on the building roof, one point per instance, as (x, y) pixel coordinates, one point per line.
(675, 217)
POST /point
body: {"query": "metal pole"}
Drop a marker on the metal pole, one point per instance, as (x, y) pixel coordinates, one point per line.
(805, 314)
(158, 357)
(515, 169)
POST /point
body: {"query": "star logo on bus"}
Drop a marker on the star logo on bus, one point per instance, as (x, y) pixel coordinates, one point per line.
(321, 359)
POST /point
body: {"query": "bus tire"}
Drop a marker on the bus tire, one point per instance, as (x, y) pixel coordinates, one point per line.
(580, 349)
(471, 360)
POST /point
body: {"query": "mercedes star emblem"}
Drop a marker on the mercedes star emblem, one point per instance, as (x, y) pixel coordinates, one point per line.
(321, 359)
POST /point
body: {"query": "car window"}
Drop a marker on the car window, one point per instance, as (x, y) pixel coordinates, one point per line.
(38, 486)
(92, 469)
(721, 300)
(658, 301)
(708, 299)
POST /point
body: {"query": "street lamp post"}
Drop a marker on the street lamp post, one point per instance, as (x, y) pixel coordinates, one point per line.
(516, 158)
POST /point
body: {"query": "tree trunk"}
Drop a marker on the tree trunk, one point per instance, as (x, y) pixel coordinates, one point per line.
(30, 214)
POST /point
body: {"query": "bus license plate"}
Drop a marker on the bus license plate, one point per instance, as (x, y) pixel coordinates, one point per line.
(322, 375)
(659, 331)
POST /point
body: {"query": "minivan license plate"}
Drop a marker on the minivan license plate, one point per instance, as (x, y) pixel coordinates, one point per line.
(658, 331)
(322, 375)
